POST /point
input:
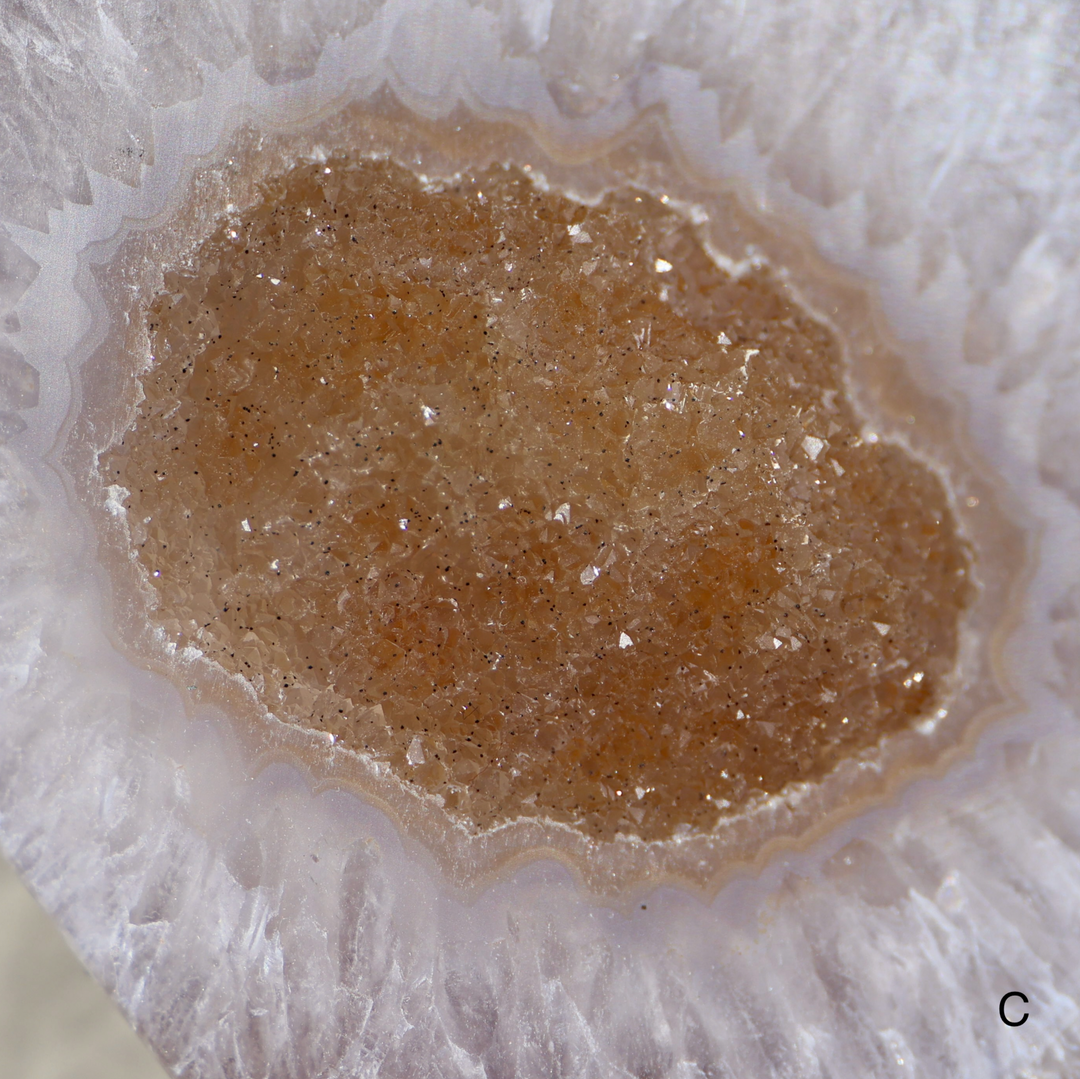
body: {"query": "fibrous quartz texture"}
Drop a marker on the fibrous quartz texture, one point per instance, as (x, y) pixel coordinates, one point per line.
(531, 500)
(252, 924)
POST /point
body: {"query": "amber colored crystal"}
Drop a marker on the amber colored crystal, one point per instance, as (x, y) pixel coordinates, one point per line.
(532, 501)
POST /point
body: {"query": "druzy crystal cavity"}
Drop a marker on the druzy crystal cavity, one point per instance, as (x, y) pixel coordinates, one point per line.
(531, 501)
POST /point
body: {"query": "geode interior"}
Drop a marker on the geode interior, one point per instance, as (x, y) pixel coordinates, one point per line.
(531, 500)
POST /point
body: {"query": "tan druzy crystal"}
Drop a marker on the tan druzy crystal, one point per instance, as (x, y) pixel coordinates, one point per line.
(532, 501)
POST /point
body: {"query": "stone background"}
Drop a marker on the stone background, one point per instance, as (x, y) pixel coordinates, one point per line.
(55, 1021)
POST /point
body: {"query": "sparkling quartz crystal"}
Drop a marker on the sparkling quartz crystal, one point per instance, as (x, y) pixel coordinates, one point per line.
(531, 500)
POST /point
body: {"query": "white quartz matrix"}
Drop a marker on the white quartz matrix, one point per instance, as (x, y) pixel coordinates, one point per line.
(252, 927)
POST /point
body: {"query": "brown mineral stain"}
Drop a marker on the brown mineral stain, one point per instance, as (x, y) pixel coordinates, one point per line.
(532, 501)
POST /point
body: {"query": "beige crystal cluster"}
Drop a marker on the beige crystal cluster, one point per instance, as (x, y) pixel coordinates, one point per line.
(532, 501)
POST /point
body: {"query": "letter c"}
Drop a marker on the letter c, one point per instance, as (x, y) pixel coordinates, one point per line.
(1001, 1010)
